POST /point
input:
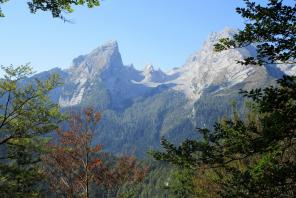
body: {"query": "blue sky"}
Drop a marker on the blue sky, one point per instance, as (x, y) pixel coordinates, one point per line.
(159, 32)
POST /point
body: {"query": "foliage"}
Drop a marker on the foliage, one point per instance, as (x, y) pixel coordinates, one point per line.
(181, 184)
(26, 114)
(154, 184)
(125, 175)
(164, 180)
(121, 132)
(69, 165)
(76, 168)
(56, 7)
(272, 28)
(255, 156)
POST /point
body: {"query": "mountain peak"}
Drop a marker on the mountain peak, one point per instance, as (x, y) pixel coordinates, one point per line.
(112, 44)
(105, 51)
(227, 32)
(103, 57)
(107, 48)
(214, 37)
(149, 68)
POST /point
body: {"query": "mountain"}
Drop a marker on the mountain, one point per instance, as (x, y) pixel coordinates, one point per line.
(139, 107)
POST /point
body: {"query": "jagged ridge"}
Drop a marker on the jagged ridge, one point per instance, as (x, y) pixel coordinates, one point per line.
(141, 106)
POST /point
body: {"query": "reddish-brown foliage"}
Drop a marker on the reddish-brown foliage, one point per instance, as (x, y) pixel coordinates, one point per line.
(70, 165)
(73, 162)
(125, 170)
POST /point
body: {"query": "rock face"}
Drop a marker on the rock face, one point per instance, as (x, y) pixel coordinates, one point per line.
(154, 76)
(141, 106)
(102, 67)
(207, 68)
(202, 70)
(288, 69)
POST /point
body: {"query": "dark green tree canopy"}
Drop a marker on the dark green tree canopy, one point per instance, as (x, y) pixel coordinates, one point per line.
(56, 7)
(257, 154)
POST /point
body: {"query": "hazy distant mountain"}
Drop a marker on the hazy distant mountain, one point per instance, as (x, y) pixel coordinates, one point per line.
(141, 106)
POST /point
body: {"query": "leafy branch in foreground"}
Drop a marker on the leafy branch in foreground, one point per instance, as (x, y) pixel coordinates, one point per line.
(256, 156)
(26, 114)
(56, 7)
(271, 28)
(253, 157)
